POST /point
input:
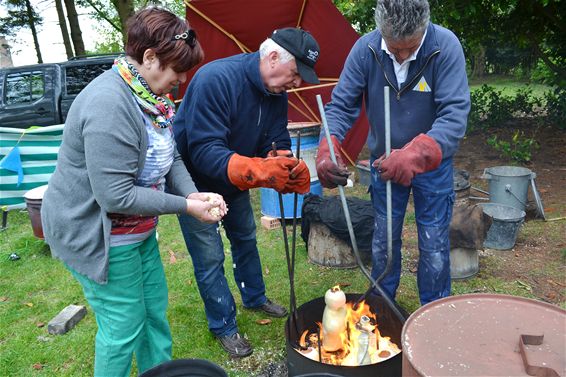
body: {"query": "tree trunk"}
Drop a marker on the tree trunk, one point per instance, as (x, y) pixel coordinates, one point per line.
(479, 63)
(76, 34)
(33, 31)
(64, 30)
(125, 9)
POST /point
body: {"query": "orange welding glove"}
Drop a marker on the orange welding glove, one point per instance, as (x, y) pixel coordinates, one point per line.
(250, 172)
(420, 155)
(329, 173)
(299, 179)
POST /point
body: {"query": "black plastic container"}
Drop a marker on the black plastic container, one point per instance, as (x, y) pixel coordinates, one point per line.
(185, 368)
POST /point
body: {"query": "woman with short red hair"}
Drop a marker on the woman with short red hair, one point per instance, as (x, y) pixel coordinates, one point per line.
(118, 170)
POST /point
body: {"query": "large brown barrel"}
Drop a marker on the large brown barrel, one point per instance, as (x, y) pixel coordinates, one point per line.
(480, 335)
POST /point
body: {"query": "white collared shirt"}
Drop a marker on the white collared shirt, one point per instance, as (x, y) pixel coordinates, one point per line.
(401, 70)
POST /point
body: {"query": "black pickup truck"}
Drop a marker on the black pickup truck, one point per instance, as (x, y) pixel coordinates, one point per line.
(41, 94)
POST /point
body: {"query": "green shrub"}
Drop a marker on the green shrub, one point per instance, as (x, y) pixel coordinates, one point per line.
(556, 107)
(492, 108)
(541, 73)
(525, 104)
(477, 109)
(519, 148)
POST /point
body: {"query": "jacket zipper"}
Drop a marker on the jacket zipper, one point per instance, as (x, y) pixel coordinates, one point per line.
(399, 92)
(383, 69)
(259, 117)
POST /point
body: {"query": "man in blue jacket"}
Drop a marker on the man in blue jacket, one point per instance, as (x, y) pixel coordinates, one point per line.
(232, 112)
(423, 65)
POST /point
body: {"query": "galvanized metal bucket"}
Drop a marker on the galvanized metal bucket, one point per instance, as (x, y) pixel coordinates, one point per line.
(464, 263)
(505, 226)
(509, 185)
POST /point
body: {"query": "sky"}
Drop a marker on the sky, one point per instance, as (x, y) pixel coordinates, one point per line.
(50, 38)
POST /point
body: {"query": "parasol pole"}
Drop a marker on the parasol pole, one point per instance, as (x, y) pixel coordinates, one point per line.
(314, 86)
(301, 14)
(242, 46)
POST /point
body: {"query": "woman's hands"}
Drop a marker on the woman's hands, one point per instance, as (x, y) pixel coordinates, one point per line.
(207, 207)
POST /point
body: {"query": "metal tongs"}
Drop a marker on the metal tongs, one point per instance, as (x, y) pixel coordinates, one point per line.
(290, 256)
(374, 283)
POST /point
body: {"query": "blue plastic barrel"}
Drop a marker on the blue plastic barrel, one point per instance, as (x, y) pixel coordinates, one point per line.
(270, 201)
(309, 146)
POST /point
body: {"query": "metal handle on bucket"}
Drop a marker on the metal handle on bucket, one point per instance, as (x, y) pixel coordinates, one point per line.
(488, 175)
(508, 189)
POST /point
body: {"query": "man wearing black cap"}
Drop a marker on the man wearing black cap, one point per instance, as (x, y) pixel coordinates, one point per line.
(232, 112)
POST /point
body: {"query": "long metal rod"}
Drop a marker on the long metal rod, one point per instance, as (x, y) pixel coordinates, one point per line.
(478, 198)
(388, 200)
(480, 190)
(293, 300)
(374, 284)
(389, 208)
(282, 218)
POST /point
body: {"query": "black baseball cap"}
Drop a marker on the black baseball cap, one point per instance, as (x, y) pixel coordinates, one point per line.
(302, 45)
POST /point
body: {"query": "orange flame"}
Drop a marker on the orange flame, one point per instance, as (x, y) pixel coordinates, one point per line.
(358, 332)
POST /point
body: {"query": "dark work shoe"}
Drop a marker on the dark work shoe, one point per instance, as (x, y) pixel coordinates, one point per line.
(272, 309)
(235, 345)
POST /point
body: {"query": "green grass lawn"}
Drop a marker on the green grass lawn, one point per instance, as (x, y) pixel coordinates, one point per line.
(36, 287)
(509, 85)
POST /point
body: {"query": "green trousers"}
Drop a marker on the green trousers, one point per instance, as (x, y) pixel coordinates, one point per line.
(130, 310)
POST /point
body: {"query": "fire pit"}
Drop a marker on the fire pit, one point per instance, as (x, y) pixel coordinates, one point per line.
(307, 316)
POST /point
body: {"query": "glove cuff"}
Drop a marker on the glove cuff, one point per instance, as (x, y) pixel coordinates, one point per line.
(237, 172)
(429, 150)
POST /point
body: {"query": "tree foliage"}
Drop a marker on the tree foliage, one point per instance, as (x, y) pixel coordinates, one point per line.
(21, 15)
(499, 36)
(515, 33)
(113, 16)
(17, 18)
(360, 13)
(521, 37)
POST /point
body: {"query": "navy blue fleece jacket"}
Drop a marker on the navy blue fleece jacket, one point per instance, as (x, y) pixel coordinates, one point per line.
(434, 100)
(227, 110)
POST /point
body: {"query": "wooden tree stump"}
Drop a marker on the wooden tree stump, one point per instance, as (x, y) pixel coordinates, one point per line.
(325, 249)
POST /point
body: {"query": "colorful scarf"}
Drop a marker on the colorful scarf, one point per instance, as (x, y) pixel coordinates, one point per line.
(160, 109)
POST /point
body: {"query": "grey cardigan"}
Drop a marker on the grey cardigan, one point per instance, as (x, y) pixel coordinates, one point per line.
(104, 147)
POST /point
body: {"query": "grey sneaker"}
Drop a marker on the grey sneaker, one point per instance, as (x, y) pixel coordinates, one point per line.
(235, 345)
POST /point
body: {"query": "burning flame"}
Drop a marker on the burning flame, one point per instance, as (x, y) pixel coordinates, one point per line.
(362, 342)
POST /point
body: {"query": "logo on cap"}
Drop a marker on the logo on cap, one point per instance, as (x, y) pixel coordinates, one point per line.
(312, 55)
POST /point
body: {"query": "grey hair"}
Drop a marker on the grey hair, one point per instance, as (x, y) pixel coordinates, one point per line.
(269, 45)
(401, 19)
